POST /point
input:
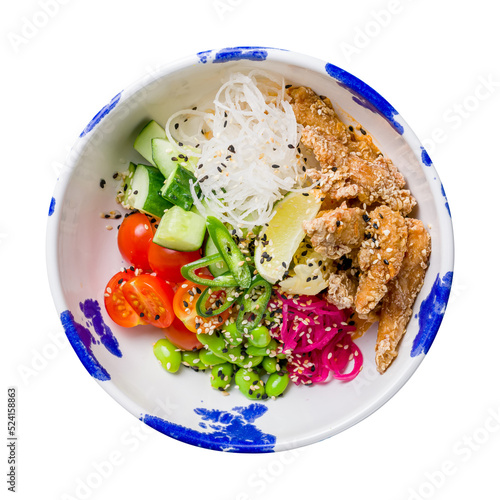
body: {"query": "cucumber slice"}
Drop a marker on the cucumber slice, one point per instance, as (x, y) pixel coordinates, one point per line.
(124, 194)
(166, 156)
(176, 188)
(143, 142)
(144, 191)
(218, 268)
(180, 230)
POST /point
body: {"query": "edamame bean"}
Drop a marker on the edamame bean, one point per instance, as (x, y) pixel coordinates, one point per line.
(221, 376)
(268, 350)
(229, 353)
(271, 365)
(250, 384)
(168, 355)
(192, 359)
(232, 335)
(209, 358)
(259, 337)
(276, 383)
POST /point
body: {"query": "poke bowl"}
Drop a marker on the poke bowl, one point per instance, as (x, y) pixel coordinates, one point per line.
(82, 255)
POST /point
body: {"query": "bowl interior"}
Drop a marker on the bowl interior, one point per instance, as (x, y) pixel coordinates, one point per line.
(85, 256)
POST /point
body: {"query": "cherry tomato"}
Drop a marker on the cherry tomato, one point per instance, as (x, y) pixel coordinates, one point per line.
(118, 308)
(151, 298)
(134, 237)
(185, 309)
(167, 263)
(181, 337)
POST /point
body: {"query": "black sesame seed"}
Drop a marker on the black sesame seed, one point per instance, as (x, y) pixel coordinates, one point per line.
(283, 264)
(338, 223)
(308, 279)
(291, 146)
(102, 183)
(225, 123)
(315, 277)
(176, 126)
(174, 158)
(288, 86)
(181, 144)
(274, 165)
(351, 128)
(136, 192)
(386, 262)
(362, 131)
(157, 317)
(204, 178)
(231, 148)
(120, 281)
(107, 216)
(366, 218)
(141, 315)
(375, 225)
(198, 290)
(185, 303)
(305, 194)
(115, 175)
(351, 323)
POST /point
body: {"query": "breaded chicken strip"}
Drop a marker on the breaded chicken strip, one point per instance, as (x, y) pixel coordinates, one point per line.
(362, 322)
(344, 174)
(341, 289)
(336, 232)
(402, 292)
(380, 256)
(315, 111)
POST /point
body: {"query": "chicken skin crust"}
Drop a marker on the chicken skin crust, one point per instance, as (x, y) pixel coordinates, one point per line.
(380, 257)
(401, 294)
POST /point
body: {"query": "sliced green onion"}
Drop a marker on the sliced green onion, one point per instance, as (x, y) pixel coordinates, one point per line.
(189, 272)
(230, 252)
(254, 308)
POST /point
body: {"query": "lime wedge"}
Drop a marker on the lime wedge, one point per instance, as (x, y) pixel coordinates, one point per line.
(279, 241)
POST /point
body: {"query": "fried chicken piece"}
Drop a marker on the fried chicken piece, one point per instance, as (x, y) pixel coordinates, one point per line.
(336, 232)
(380, 256)
(317, 111)
(341, 289)
(362, 322)
(402, 292)
(344, 174)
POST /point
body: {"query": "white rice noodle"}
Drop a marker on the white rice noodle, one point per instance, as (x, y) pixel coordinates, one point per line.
(252, 116)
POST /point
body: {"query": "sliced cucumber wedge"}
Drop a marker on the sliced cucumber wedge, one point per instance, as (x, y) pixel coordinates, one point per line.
(218, 268)
(144, 191)
(143, 142)
(176, 188)
(127, 181)
(180, 230)
(166, 156)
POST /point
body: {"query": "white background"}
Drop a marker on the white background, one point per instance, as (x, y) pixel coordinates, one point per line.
(436, 438)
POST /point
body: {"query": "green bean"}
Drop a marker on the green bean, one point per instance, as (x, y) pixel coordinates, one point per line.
(168, 355)
(276, 384)
(250, 384)
(221, 376)
(192, 359)
(208, 358)
(259, 337)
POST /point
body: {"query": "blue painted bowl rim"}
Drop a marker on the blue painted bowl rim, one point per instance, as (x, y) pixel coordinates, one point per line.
(278, 55)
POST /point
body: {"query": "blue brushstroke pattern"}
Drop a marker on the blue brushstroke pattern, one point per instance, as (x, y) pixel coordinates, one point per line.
(52, 206)
(81, 339)
(235, 54)
(431, 314)
(426, 159)
(445, 200)
(92, 311)
(365, 96)
(230, 430)
(102, 113)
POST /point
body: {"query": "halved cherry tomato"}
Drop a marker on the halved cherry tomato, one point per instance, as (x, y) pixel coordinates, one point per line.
(151, 298)
(134, 238)
(166, 263)
(185, 309)
(119, 310)
(181, 337)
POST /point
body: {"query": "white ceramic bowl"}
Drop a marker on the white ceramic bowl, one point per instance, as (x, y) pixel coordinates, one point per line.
(83, 255)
